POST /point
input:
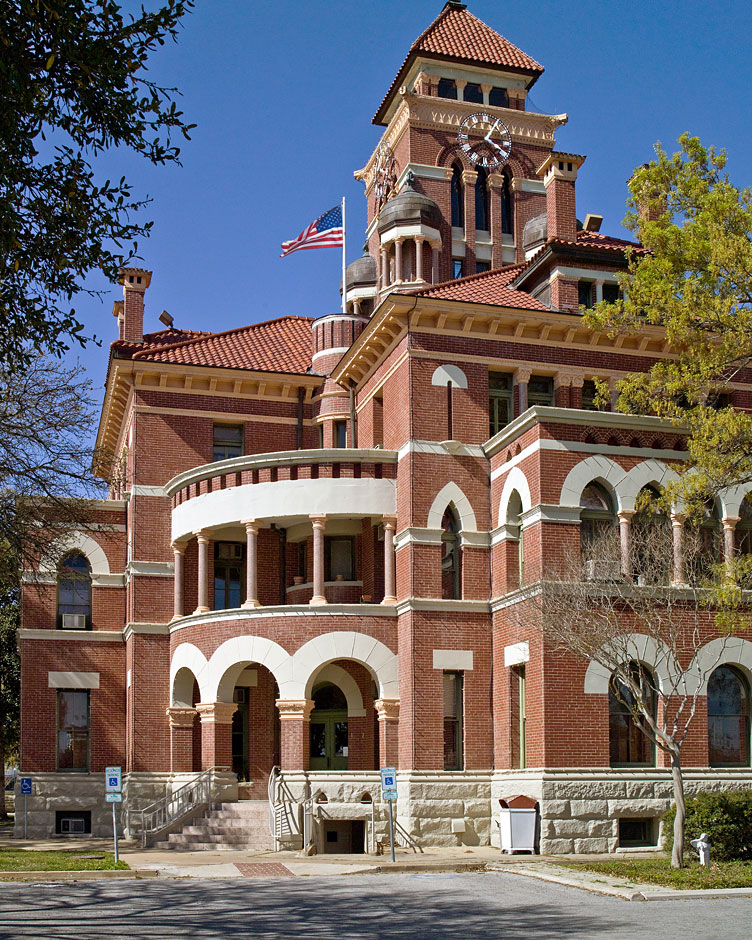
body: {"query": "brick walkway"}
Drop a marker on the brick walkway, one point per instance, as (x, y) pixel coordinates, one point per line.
(263, 870)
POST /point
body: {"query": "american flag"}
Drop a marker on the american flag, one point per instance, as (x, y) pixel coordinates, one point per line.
(325, 232)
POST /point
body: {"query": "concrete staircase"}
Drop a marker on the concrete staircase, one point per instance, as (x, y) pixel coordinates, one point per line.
(229, 827)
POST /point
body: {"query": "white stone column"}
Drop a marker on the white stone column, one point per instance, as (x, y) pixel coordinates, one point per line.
(418, 258)
(677, 523)
(390, 595)
(179, 551)
(435, 264)
(625, 540)
(251, 564)
(598, 291)
(384, 268)
(398, 260)
(521, 378)
(356, 307)
(203, 572)
(612, 383)
(319, 526)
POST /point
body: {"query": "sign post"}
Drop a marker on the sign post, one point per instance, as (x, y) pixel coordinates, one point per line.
(113, 787)
(389, 793)
(25, 791)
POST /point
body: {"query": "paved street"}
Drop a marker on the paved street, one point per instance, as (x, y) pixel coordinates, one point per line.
(380, 907)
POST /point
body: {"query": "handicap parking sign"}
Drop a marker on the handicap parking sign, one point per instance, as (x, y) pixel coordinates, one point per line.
(112, 780)
(25, 786)
(388, 783)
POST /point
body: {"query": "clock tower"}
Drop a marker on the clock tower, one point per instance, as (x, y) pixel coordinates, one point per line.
(456, 175)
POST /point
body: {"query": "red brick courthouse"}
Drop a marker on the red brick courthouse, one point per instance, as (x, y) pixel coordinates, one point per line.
(319, 528)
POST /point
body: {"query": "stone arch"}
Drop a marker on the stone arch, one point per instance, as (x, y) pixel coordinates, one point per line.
(648, 472)
(723, 651)
(234, 655)
(731, 500)
(449, 373)
(343, 680)
(515, 481)
(451, 493)
(597, 469)
(642, 649)
(188, 665)
(307, 662)
(81, 542)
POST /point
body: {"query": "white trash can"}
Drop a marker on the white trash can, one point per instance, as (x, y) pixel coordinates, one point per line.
(518, 821)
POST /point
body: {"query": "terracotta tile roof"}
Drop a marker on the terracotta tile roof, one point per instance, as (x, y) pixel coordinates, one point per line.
(599, 240)
(458, 36)
(281, 345)
(490, 287)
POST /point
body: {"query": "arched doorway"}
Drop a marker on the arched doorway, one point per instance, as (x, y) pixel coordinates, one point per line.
(328, 728)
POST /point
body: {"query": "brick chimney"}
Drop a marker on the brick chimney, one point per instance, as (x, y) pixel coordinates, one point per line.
(559, 172)
(650, 207)
(130, 311)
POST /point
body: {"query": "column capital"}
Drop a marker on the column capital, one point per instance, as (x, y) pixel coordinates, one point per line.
(577, 380)
(562, 380)
(181, 716)
(217, 713)
(389, 522)
(179, 547)
(318, 521)
(729, 522)
(626, 515)
(678, 518)
(522, 375)
(387, 709)
(202, 535)
(469, 177)
(251, 524)
(298, 709)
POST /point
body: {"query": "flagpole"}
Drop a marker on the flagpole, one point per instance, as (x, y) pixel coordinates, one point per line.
(344, 259)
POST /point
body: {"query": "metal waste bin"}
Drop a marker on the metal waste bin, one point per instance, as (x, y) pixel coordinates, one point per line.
(518, 824)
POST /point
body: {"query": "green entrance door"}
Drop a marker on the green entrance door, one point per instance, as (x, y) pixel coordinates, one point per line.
(328, 729)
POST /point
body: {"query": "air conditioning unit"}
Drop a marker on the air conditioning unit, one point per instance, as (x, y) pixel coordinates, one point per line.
(72, 824)
(598, 570)
(238, 696)
(231, 550)
(74, 621)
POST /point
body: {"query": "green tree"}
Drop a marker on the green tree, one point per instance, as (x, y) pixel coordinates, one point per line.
(694, 283)
(73, 84)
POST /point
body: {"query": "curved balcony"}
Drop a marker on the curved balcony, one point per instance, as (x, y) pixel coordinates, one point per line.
(289, 485)
(326, 495)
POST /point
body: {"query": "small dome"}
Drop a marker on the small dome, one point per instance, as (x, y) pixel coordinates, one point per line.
(362, 273)
(409, 206)
(535, 231)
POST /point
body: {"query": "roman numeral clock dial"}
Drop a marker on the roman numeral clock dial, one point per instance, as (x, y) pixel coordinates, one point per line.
(485, 140)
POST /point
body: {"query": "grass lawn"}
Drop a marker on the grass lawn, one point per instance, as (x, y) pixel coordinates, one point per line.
(658, 871)
(31, 860)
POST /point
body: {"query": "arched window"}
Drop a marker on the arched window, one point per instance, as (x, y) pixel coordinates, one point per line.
(458, 197)
(514, 522)
(507, 219)
(651, 539)
(744, 528)
(627, 742)
(728, 718)
(451, 573)
(599, 539)
(74, 593)
(482, 214)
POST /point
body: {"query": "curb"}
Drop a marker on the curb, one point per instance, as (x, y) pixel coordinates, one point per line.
(115, 874)
(643, 892)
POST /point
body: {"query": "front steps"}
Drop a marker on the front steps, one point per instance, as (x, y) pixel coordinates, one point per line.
(229, 827)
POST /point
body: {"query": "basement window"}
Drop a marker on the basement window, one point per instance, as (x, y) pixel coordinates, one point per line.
(637, 832)
(69, 822)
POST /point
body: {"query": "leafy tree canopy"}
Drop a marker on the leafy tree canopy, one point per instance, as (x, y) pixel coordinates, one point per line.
(73, 83)
(696, 285)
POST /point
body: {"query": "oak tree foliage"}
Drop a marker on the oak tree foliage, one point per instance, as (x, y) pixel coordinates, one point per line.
(74, 83)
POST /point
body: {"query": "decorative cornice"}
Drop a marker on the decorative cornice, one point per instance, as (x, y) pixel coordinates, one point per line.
(216, 713)
(387, 709)
(148, 629)
(280, 610)
(181, 717)
(294, 709)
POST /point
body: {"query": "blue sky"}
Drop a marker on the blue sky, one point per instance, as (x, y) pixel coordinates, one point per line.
(283, 94)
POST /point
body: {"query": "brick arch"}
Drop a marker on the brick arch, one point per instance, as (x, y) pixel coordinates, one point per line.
(188, 665)
(449, 154)
(636, 647)
(516, 482)
(308, 661)
(592, 469)
(234, 655)
(451, 493)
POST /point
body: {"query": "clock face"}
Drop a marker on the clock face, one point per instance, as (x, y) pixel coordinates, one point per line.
(485, 140)
(383, 171)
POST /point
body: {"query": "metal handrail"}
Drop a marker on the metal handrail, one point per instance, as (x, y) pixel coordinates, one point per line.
(160, 814)
(272, 796)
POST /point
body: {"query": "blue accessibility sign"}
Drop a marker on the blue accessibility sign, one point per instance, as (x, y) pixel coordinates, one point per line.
(388, 783)
(25, 786)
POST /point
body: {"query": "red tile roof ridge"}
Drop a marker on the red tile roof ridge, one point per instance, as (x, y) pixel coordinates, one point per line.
(204, 335)
(504, 51)
(512, 269)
